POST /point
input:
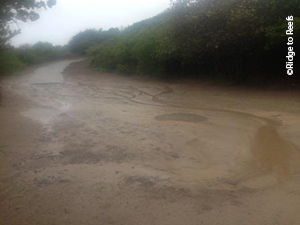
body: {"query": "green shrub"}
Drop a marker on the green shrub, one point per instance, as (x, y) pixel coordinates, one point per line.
(81, 42)
(217, 39)
(40, 53)
(14, 59)
(9, 62)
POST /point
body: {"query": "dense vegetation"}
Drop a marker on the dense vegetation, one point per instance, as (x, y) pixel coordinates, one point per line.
(9, 62)
(13, 59)
(11, 13)
(81, 42)
(235, 40)
(240, 41)
(41, 52)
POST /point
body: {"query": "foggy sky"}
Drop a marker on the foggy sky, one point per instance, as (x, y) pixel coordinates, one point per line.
(68, 17)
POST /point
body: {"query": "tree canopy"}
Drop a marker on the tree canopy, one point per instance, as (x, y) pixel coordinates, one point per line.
(80, 43)
(12, 12)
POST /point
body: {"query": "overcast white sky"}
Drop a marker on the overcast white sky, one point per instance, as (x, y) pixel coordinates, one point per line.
(68, 17)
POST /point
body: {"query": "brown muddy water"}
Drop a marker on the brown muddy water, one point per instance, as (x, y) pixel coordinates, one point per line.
(82, 147)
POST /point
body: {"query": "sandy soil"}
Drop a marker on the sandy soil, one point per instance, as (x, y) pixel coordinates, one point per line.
(92, 148)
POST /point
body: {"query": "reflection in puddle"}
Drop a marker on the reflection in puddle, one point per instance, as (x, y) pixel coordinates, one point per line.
(183, 117)
(42, 115)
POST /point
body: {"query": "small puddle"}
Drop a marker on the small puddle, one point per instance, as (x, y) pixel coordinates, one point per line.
(272, 152)
(183, 117)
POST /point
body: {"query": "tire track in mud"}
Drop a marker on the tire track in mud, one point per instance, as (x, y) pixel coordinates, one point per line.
(271, 152)
(155, 98)
(267, 127)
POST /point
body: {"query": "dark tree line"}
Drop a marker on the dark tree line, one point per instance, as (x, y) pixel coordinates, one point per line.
(240, 41)
(235, 40)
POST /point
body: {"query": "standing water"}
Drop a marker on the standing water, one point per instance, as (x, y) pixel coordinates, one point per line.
(47, 75)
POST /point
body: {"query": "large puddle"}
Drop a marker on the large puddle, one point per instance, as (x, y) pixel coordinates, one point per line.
(51, 74)
(47, 75)
(216, 140)
(162, 148)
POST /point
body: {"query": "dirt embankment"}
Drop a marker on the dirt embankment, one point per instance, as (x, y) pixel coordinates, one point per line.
(93, 148)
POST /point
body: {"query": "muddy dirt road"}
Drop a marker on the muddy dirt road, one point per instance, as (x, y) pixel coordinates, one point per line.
(91, 148)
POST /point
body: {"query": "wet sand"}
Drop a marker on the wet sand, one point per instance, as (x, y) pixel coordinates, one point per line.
(93, 148)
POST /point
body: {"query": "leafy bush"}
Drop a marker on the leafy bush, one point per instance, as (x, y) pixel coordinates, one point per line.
(41, 52)
(80, 43)
(13, 59)
(134, 50)
(9, 62)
